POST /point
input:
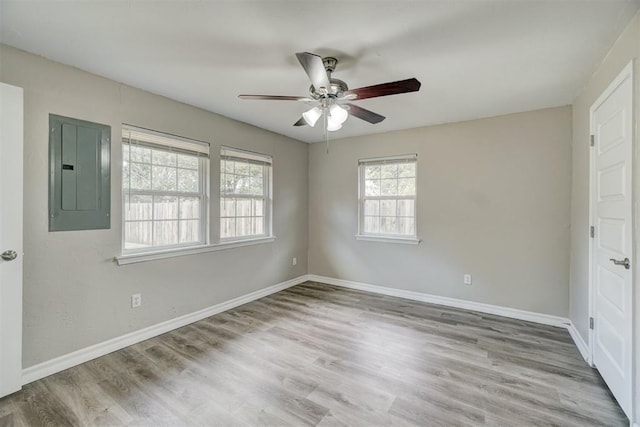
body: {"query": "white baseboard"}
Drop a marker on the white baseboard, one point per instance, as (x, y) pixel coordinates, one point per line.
(513, 313)
(579, 341)
(69, 360)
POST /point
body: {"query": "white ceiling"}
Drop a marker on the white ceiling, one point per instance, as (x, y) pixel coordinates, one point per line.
(474, 58)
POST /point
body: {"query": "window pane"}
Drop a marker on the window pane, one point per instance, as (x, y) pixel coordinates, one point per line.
(407, 226)
(242, 185)
(189, 208)
(258, 207)
(388, 208)
(227, 183)
(407, 187)
(227, 166)
(137, 234)
(227, 227)
(163, 158)
(126, 175)
(244, 227)
(258, 223)
(389, 171)
(243, 207)
(190, 231)
(406, 208)
(389, 187)
(372, 172)
(165, 207)
(137, 207)
(227, 207)
(372, 207)
(165, 233)
(188, 162)
(164, 178)
(140, 154)
(407, 170)
(372, 187)
(256, 186)
(188, 180)
(257, 171)
(372, 224)
(140, 176)
(388, 224)
(242, 168)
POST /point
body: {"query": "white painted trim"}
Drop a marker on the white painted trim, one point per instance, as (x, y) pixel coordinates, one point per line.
(580, 342)
(69, 360)
(170, 253)
(388, 239)
(513, 313)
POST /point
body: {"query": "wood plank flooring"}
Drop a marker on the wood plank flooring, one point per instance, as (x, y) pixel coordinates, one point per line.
(324, 356)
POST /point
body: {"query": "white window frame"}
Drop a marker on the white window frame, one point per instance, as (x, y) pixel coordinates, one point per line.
(237, 154)
(386, 237)
(160, 141)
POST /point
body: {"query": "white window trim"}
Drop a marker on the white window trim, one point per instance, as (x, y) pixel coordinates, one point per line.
(267, 196)
(165, 139)
(192, 250)
(386, 238)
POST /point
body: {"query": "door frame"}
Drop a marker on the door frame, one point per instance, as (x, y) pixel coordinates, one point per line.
(626, 73)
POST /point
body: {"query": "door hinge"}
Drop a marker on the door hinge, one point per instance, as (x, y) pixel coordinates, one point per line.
(593, 140)
(592, 231)
(590, 322)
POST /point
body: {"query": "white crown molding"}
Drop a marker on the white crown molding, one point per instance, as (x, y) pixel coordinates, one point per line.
(77, 357)
(513, 313)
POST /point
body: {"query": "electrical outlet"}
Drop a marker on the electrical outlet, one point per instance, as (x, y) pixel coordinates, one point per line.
(467, 279)
(136, 300)
(294, 261)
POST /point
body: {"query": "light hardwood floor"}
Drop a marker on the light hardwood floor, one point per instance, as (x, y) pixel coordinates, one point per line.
(320, 355)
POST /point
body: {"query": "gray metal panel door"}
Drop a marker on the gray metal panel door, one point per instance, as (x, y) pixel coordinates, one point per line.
(79, 179)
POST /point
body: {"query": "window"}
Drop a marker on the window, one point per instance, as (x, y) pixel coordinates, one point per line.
(245, 194)
(387, 195)
(164, 187)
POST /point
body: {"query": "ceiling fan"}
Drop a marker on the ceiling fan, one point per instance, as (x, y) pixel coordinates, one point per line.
(331, 97)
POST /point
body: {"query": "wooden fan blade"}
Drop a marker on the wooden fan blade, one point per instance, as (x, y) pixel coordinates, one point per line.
(275, 97)
(384, 89)
(314, 68)
(364, 114)
(300, 122)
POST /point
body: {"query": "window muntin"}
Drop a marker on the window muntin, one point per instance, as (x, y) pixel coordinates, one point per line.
(245, 195)
(164, 184)
(388, 196)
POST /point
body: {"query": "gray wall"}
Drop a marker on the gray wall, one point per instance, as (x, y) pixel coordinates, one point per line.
(626, 48)
(493, 201)
(74, 294)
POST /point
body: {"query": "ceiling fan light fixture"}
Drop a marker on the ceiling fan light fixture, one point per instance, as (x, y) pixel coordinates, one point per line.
(338, 113)
(312, 116)
(333, 125)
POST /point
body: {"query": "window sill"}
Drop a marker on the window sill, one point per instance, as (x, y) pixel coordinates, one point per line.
(385, 239)
(170, 253)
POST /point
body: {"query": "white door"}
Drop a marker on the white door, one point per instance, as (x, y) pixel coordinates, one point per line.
(10, 239)
(611, 280)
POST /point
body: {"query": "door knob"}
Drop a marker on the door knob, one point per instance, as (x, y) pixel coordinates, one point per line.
(9, 255)
(625, 262)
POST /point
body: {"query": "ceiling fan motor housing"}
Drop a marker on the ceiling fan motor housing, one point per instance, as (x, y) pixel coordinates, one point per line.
(337, 86)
